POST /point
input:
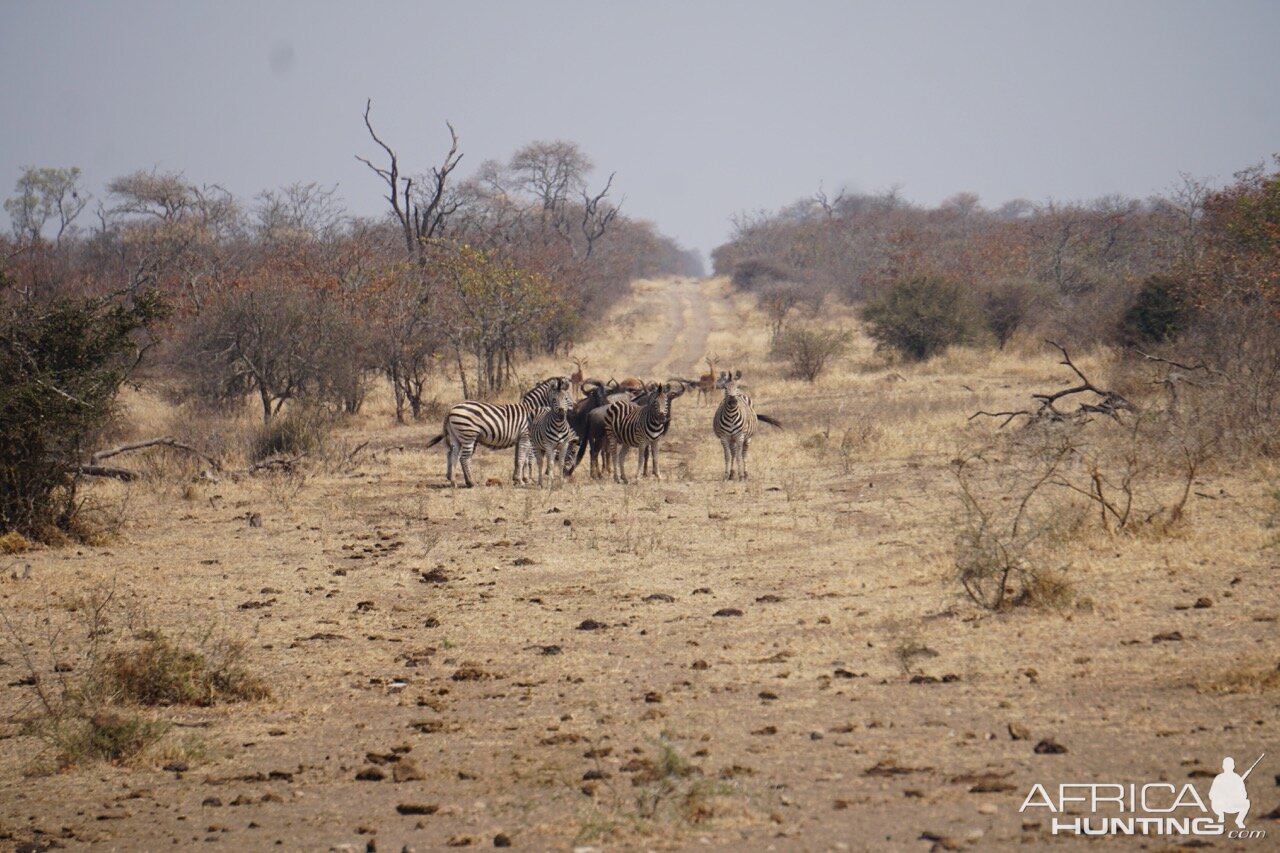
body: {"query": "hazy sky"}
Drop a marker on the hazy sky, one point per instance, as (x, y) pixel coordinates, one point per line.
(703, 108)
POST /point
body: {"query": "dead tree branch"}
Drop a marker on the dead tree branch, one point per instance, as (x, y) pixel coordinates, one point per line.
(163, 441)
(1109, 403)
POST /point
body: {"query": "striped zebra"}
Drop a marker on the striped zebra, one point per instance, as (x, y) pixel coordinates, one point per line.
(734, 423)
(550, 435)
(629, 425)
(498, 426)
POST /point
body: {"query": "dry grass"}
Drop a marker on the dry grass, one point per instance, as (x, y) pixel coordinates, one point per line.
(766, 632)
(1253, 676)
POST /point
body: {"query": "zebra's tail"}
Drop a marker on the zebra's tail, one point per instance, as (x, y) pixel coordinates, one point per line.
(769, 420)
(433, 442)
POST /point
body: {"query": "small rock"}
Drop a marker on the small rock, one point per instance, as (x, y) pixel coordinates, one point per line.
(417, 808)
(1019, 732)
(371, 774)
(1202, 603)
(501, 840)
(727, 611)
(1049, 746)
(1169, 637)
(987, 808)
(591, 625)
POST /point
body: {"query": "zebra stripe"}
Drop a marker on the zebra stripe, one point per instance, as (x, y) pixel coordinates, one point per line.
(628, 425)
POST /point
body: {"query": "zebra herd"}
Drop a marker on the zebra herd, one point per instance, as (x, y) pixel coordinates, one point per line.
(611, 418)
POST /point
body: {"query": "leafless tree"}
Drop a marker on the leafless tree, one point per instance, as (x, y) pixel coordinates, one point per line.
(309, 211)
(421, 208)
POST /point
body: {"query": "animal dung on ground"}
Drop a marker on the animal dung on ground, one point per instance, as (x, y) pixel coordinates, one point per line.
(1049, 746)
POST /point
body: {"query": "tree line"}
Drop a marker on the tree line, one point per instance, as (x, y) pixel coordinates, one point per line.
(1184, 287)
(1110, 270)
(289, 297)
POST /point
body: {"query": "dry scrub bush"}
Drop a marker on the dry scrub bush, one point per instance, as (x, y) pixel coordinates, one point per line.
(87, 686)
(1127, 466)
(808, 351)
(1006, 535)
(667, 789)
(301, 430)
(1221, 375)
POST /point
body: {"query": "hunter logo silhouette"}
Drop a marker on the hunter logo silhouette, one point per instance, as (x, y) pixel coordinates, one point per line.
(1227, 794)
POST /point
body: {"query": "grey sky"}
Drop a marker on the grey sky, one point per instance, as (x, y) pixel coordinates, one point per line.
(703, 108)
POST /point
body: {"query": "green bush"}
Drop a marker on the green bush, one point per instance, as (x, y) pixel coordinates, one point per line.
(1159, 312)
(62, 364)
(922, 316)
(1006, 307)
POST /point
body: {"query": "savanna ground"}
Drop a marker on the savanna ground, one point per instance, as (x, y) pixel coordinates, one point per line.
(662, 665)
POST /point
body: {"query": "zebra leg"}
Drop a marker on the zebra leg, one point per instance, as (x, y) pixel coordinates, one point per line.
(560, 460)
(465, 449)
(742, 471)
(524, 450)
(620, 463)
(540, 456)
(728, 458)
(653, 455)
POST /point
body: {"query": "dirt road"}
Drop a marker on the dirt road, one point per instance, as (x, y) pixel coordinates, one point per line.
(682, 344)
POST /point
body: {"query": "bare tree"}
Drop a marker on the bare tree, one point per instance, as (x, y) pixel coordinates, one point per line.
(309, 211)
(421, 210)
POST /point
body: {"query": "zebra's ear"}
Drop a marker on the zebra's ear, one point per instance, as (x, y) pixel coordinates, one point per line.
(737, 375)
(724, 374)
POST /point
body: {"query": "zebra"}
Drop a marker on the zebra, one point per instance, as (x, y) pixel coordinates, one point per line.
(734, 423)
(629, 425)
(550, 434)
(592, 433)
(498, 426)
